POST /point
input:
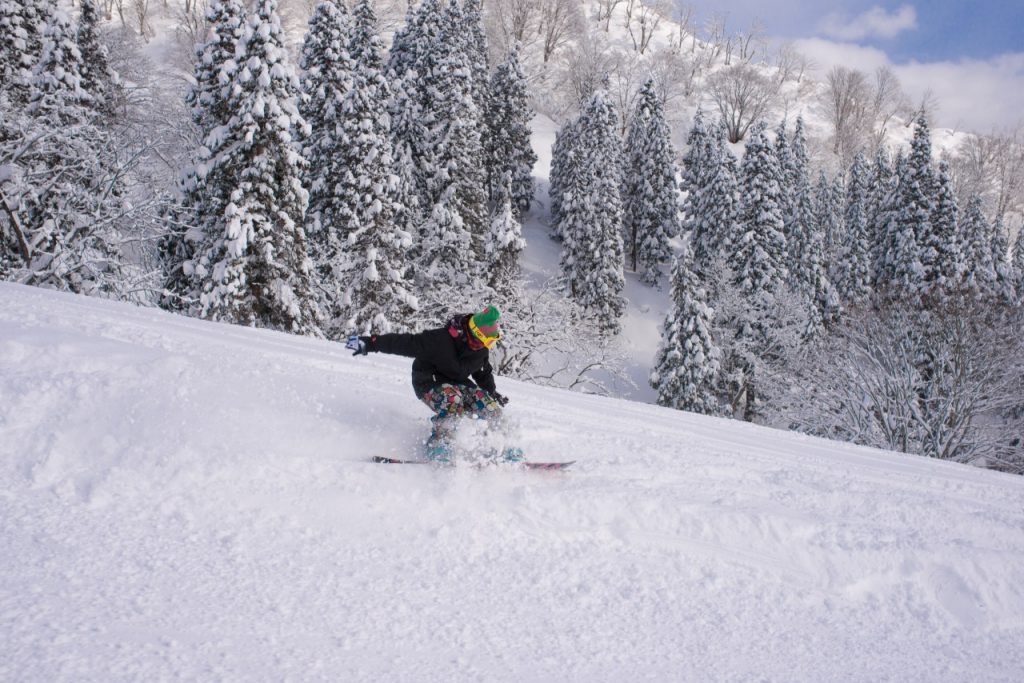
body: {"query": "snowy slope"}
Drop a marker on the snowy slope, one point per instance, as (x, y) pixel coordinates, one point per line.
(181, 500)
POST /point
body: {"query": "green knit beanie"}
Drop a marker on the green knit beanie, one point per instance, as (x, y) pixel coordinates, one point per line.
(486, 322)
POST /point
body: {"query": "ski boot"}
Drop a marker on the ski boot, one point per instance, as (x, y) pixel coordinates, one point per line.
(512, 454)
(439, 450)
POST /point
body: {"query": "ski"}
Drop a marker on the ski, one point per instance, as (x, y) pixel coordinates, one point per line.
(527, 465)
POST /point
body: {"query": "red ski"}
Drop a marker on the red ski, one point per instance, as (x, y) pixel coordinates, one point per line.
(527, 465)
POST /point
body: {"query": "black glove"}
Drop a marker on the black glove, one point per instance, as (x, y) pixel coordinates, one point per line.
(502, 400)
(357, 345)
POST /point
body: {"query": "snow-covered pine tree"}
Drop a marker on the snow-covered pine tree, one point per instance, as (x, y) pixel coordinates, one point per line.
(327, 77)
(209, 102)
(757, 265)
(685, 372)
(208, 99)
(708, 190)
(853, 263)
(914, 276)
(378, 294)
(789, 172)
(564, 155)
(651, 202)
(806, 234)
(883, 195)
(715, 229)
(636, 188)
(98, 78)
(591, 216)
(252, 267)
(22, 24)
(908, 213)
(944, 237)
(699, 164)
(1018, 265)
(1004, 286)
(411, 63)
(979, 275)
(828, 213)
(475, 46)
(759, 258)
(450, 159)
(67, 193)
(13, 70)
(502, 248)
(508, 155)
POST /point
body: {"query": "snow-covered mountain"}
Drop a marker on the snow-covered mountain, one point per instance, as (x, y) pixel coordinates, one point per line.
(184, 500)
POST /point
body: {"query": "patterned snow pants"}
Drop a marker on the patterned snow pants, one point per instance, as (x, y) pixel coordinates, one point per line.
(449, 401)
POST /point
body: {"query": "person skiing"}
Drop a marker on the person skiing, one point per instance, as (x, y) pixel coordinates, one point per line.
(451, 372)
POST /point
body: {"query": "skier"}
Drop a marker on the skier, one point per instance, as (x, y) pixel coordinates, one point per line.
(451, 373)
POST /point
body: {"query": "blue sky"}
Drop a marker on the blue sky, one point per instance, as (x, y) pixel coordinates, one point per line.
(970, 54)
(923, 31)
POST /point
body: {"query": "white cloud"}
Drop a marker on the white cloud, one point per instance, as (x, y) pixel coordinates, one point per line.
(974, 95)
(827, 54)
(875, 23)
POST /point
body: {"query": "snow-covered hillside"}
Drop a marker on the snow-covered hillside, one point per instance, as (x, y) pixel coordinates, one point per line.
(182, 500)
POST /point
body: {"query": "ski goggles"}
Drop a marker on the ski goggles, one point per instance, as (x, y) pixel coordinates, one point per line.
(484, 339)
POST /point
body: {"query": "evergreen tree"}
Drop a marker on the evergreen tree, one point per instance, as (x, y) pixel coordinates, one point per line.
(789, 176)
(651, 192)
(709, 195)
(208, 99)
(67, 190)
(757, 266)
(411, 62)
(475, 46)
(327, 78)
(976, 232)
(760, 256)
(98, 78)
(1018, 265)
(564, 155)
(699, 165)
(209, 102)
(882, 196)
(437, 125)
(252, 267)
(502, 248)
(806, 236)
(1003, 286)
(908, 213)
(591, 217)
(944, 237)
(22, 24)
(914, 275)
(509, 156)
(378, 294)
(828, 213)
(853, 265)
(715, 229)
(685, 372)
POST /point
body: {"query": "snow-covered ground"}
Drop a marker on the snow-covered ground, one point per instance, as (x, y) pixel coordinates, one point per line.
(183, 500)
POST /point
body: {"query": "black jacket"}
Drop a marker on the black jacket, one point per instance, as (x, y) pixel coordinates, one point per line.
(439, 356)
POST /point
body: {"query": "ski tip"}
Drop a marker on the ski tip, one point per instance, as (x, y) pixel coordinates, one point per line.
(549, 465)
(398, 461)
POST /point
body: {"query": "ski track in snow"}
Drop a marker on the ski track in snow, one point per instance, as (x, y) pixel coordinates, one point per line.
(183, 500)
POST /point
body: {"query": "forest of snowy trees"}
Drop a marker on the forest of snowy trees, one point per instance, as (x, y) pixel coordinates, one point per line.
(870, 309)
(366, 180)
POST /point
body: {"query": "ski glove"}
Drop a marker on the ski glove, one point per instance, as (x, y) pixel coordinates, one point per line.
(357, 345)
(502, 400)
